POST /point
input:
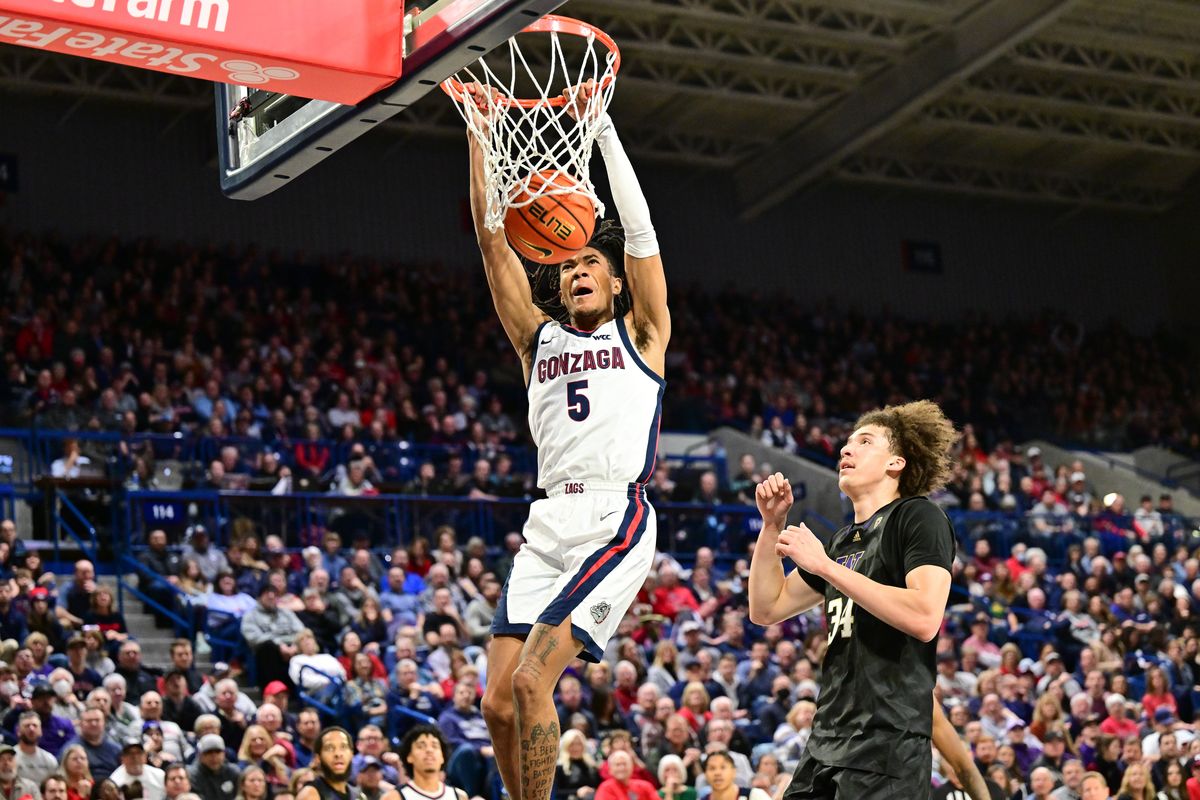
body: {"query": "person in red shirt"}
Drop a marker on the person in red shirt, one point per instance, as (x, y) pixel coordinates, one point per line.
(1116, 723)
(623, 740)
(1158, 693)
(1193, 783)
(670, 596)
(622, 785)
(626, 692)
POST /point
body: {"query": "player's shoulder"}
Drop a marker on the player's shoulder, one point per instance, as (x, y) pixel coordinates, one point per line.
(919, 509)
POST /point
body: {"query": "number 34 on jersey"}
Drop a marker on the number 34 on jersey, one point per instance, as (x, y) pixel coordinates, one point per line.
(840, 614)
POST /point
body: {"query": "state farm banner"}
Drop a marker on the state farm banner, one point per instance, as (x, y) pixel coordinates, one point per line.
(323, 49)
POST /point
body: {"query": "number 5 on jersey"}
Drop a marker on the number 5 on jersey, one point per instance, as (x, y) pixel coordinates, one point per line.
(578, 406)
(841, 619)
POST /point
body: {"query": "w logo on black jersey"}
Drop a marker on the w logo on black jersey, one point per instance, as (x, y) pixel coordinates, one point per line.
(850, 561)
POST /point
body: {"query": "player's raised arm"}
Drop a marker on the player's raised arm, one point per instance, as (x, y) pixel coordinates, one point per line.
(505, 273)
(775, 597)
(643, 262)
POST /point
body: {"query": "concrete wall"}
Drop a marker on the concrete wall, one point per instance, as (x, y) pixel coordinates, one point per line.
(1105, 475)
(820, 483)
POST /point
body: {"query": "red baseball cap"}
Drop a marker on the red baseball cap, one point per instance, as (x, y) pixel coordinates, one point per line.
(39, 591)
(275, 687)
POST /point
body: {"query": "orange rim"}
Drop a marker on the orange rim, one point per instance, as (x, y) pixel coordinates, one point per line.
(551, 23)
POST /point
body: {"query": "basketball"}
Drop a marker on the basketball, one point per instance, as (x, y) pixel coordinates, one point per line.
(553, 227)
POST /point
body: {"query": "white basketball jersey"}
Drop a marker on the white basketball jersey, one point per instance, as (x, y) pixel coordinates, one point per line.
(410, 792)
(594, 406)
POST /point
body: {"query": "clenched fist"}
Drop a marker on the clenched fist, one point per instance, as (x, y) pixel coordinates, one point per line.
(774, 498)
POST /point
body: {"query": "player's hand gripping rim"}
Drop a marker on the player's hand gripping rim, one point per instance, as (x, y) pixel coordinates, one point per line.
(579, 99)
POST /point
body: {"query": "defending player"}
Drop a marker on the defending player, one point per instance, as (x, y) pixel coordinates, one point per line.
(334, 750)
(595, 392)
(955, 755)
(884, 581)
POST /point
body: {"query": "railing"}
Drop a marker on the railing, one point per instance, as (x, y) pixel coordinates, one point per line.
(8, 502)
(301, 519)
(1185, 474)
(394, 520)
(184, 625)
(330, 702)
(1115, 532)
(113, 453)
(67, 518)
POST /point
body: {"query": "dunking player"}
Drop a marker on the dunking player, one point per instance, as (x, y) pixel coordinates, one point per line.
(595, 393)
(884, 581)
(334, 750)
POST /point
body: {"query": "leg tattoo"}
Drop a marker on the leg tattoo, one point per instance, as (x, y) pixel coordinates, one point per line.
(539, 754)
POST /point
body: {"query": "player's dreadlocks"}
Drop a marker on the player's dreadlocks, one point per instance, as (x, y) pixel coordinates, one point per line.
(609, 239)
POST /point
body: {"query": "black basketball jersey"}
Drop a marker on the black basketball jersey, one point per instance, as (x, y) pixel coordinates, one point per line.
(875, 710)
(327, 792)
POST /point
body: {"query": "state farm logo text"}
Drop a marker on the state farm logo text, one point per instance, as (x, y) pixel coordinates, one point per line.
(188, 13)
(135, 53)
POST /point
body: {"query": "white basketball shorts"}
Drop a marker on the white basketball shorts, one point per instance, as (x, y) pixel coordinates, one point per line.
(588, 548)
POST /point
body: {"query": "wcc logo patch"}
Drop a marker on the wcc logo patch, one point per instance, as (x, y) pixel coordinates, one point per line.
(600, 611)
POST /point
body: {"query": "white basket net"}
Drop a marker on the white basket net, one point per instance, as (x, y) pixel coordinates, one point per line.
(522, 137)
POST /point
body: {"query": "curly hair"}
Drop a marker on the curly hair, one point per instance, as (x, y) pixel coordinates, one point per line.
(609, 239)
(416, 732)
(921, 434)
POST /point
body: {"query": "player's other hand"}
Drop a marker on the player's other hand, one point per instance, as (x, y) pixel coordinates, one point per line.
(801, 545)
(577, 98)
(481, 102)
(774, 499)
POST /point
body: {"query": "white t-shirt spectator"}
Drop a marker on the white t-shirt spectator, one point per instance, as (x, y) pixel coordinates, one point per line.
(152, 779)
(59, 468)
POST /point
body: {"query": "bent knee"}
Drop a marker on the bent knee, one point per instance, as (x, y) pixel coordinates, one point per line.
(530, 681)
(497, 708)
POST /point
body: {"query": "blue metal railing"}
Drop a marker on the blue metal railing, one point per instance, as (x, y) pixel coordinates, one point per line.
(330, 702)
(1115, 532)
(70, 520)
(397, 461)
(184, 624)
(8, 502)
(302, 519)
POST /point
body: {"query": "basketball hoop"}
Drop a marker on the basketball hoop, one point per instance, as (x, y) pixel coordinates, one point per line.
(523, 137)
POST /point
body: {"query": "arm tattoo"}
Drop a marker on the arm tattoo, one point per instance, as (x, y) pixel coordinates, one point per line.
(539, 754)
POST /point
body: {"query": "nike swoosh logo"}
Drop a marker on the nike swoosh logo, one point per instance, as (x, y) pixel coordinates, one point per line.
(606, 516)
(544, 252)
(547, 341)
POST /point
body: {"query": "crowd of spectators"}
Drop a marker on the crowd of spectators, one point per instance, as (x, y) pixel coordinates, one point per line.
(231, 342)
(1047, 669)
(1071, 643)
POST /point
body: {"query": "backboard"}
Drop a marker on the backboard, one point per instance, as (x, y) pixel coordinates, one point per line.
(266, 139)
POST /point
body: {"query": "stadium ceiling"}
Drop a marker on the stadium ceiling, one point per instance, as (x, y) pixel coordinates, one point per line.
(1086, 103)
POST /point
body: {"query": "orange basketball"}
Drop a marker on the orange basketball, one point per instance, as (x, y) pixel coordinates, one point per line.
(552, 228)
